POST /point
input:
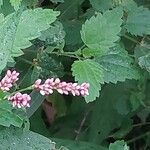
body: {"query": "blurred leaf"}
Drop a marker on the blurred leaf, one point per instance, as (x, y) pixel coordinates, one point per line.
(77, 145)
(105, 116)
(90, 72)
(69, 9)
(50, 66)
(59, 104)
(37, 100)
(53, 37)
(138, 21)
(16, 4)
(118, 145)
(7, 116)
(57, 1)
(101, 5)
(99, 33)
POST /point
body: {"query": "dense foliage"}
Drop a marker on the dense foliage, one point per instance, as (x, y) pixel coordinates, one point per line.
(93, 59)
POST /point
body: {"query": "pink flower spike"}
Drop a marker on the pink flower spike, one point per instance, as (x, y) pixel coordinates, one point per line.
(7, 82)
(20, 100)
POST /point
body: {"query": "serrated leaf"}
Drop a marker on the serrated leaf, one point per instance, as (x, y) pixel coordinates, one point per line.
(13, 138)
(138, 21)
(100, 32)
(16, 3)
(90, 72)
(17, 30)
(118, 145)
(101, 5)
(117, 65)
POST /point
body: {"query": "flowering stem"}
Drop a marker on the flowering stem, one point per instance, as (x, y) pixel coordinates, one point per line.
(22, 90)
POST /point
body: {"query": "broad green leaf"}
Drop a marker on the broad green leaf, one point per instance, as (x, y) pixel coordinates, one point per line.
(16, 139)
(90, 72)
(57, 1)
(16, 3)
(100, 32)
(101, 5)
(118, 145)
(117, 65)
(17, 30)
(138, 21)
(128, 5)
(8, 117)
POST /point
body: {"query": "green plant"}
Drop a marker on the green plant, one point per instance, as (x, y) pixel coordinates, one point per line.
(103, 46)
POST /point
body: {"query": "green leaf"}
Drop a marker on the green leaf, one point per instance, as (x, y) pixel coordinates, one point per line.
(90, 72)
(69, 9)
(16, 3)
(138, 21)
(37, 100)
(117, 65)
(13, 138)
(105, 116)
(8, 117)
(118, 145)
(17, 30)
(54, 37)
(101, 5)
(101, 31)
(1, 3)
(142, 53)
(77, 145)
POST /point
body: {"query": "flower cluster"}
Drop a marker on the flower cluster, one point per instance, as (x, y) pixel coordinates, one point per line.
(7, 82)
(23, 100)
(20, 100)
(61, 87)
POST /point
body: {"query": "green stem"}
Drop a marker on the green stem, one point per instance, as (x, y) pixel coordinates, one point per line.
(67, 54)
(138, 137)
(22, 90)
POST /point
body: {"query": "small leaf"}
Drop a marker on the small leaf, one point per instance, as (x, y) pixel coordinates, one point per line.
(90, 72)
(118, 145)
(100, 32)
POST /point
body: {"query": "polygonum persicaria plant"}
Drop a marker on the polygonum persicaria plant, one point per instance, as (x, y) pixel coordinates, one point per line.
(20, 100)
